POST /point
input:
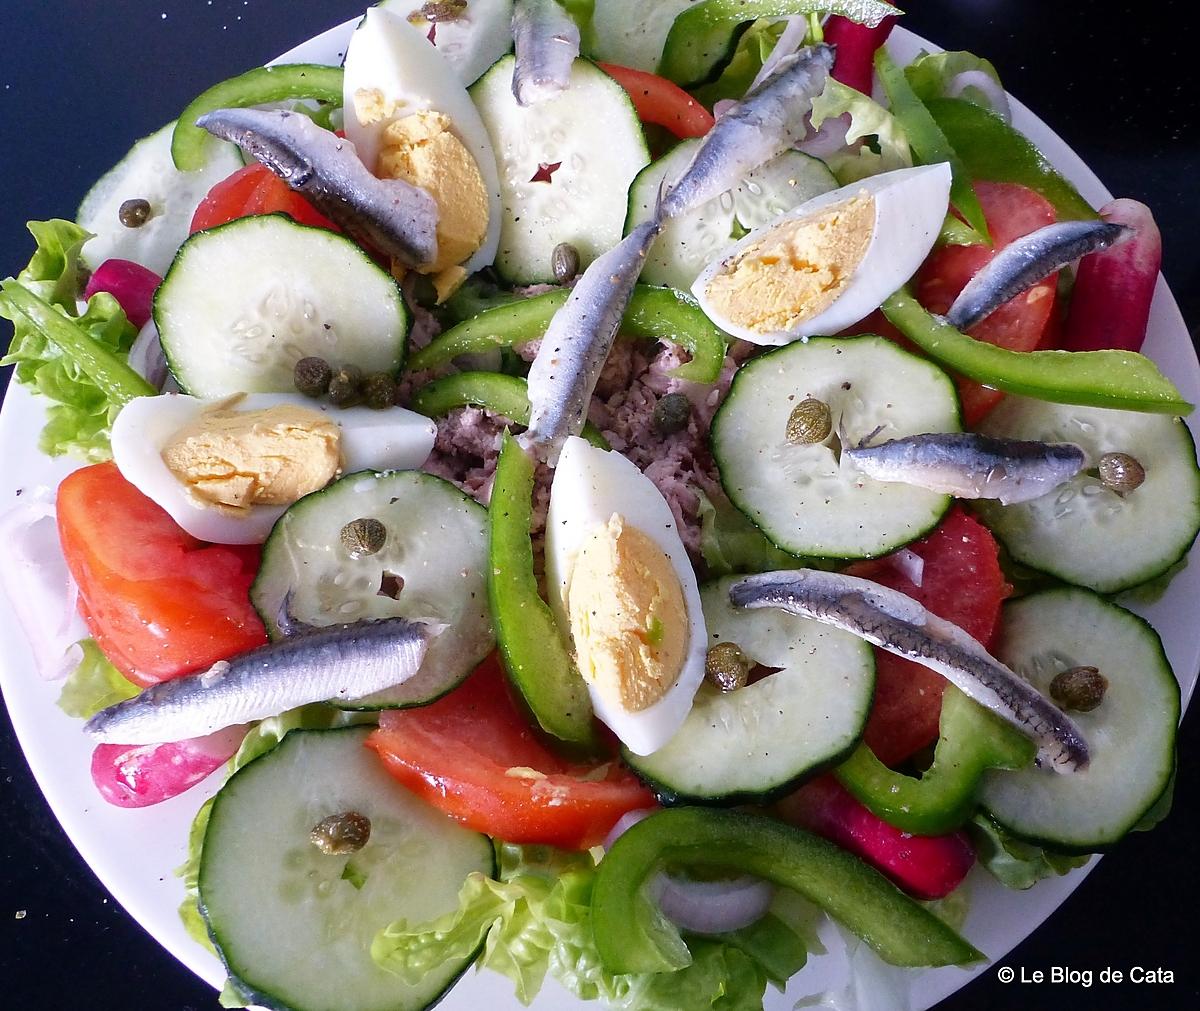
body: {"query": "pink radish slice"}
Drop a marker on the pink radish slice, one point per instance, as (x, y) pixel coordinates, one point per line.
(131, 284)
(1110, 303)
(856, 45)
(138, 775)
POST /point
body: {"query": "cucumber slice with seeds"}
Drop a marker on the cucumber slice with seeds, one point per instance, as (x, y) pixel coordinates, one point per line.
(434, 558)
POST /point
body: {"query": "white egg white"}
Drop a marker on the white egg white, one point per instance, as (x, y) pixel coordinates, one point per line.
(910, 206)
(371, 440)
(590, 485)
(395, 57)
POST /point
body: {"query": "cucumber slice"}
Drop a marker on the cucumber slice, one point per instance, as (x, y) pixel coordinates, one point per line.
(753, 744)
(436, 544)
(632, 34)
(148, 173)
(592, 140)
(1131, 733)
(1083, 532)
(244, 302)
(802, 497)
(472, 41)
(294, 925)
(688, 243)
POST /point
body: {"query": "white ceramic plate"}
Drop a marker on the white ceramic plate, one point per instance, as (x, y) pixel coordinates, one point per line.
(59, 754)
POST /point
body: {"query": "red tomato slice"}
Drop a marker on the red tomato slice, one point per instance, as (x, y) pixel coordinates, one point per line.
(158, 602)
(962, 583)
(1021, 323)
(474, 756)
(255, 189)
(660, 101)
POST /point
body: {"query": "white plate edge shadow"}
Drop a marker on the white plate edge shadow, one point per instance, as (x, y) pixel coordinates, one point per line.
(999, 918)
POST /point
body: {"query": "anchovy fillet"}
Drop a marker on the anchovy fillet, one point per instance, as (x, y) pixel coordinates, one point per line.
(396, 217)
(1026, 261)
(769, 120)
(573, 351)
(546, 40)
(899, 624)
(343, 661)
(967, 465)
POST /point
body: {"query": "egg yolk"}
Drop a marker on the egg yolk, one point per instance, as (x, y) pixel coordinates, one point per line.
(238, 459)
(628, 617)
(797, 270)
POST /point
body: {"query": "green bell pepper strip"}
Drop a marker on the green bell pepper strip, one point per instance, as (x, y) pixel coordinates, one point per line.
(958, 233)
(992, 150)
(653, 314)
(259, 86)
(531, 645)
(927, 140)
(1122, 380)
(114, 377)
(633, 936)
(499, 393)
(971, 741)
(704, 36)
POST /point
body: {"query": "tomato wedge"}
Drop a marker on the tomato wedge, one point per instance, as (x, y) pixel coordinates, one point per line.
(473, 755)
(961, 582)
(158, 602)
(662, 102)
(255, 189)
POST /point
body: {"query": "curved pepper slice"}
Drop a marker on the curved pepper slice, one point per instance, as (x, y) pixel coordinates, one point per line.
(531, 646)
(631, 936)
(653, 314)
(1122, 380)
(255, 87)
(972, 740)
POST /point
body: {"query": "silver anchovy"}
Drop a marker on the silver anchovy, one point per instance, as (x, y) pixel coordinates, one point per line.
(967, 465)
(312, 664)
(577, 341)
(1026, 261)
(399, 219)
(769, 120)
(546, 40)
(899, 624)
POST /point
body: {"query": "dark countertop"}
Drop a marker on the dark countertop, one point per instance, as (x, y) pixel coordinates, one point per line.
(79, 81)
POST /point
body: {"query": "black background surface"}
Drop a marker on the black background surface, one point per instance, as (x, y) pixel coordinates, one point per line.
(80, 80)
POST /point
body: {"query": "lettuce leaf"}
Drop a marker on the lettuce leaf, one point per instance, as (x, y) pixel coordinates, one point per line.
(730, 543)
(887, 145)
(1016, 864)
(931, 73)
(748, 58)
(94, 684)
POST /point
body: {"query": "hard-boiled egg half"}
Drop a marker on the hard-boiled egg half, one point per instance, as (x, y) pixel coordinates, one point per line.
(625, 594)
(829, 262)
(225, 470)
(409, 117)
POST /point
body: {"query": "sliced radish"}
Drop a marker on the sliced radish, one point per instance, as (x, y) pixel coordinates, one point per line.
(131, 284)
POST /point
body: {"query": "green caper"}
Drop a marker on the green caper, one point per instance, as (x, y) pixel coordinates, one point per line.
(341, 834)
(134, 213)
(312, 375)
(379, 391)
(564, 262)
(1079, 688)
(671, 414)
(727, 667)
(1121, 472)
(363, 536)
(345, 386)
(810, 422)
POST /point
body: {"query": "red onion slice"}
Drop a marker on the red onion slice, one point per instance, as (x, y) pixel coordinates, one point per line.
(980, 81)
(146, 357)
(791, 40)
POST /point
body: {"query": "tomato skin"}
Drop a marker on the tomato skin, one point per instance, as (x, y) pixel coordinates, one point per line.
(254, 189)
(961, 582)
(662, 102)
(158, 602)
(473, 755)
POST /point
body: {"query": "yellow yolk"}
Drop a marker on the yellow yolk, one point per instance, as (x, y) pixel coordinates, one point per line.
(797, 269)
(422, 150)
(628, 616)
(240, 459)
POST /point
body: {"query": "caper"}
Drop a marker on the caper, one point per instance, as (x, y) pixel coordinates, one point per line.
(134, 213)
(810, 422)
(564, 262)
(340, 834)
(727, 667)
(312, 375)
(363, 536)
(345, 386)
(1121, 472)
(379, 391)
(671, 414)
(1079, 688)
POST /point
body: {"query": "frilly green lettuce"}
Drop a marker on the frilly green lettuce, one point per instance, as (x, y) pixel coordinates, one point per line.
(1016, 864)
(94, 684)
(886, 146)
(931, 73)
